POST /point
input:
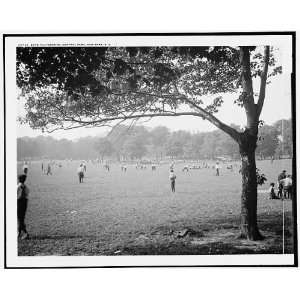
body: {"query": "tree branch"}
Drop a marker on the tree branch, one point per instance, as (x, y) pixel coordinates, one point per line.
(215, 121)
(263, 80)
(109, 119)
(202, 112)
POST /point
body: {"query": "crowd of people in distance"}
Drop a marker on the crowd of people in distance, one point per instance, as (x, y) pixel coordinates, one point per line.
(47, 167)
(283, 189)
(204, 165)
(284, 185)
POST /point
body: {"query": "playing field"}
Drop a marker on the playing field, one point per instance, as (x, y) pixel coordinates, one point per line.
(111, 209)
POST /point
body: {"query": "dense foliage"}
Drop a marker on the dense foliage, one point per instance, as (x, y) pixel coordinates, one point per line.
(67, 87)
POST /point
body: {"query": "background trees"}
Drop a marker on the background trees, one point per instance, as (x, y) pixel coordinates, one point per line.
(104, 147)
(285, 144)
(159, 137)
(157, 144)
(268, 141)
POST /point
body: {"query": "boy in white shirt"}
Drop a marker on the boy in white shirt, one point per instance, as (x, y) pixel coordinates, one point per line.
(172, 178)
(287, 184)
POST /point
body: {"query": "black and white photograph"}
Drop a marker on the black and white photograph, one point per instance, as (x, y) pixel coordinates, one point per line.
(150, 150)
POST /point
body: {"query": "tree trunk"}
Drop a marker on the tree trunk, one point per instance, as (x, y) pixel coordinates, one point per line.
(249, 227)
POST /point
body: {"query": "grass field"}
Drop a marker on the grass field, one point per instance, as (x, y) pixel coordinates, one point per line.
(117, 213)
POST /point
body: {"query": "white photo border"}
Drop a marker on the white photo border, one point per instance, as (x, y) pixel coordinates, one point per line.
(285, 40)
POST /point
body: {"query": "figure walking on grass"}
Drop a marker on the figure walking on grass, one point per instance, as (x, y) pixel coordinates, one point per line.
(172, 179)
(49, 169)
(281, 176)
(22, 198)
(80, 172)
(287, 184)
(217, 169)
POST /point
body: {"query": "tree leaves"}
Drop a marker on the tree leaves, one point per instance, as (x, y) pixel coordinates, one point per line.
(115, 81)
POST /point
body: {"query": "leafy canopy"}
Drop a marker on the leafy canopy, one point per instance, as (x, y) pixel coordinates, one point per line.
(68, 87)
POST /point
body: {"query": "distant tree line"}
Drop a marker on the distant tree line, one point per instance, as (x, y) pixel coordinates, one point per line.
(139, 142)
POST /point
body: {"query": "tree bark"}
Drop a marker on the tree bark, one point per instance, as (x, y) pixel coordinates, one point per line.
(249, 228)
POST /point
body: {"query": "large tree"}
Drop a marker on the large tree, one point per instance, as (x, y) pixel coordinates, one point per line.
(85, 86)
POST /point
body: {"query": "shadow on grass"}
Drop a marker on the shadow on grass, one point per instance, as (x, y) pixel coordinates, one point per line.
(183, 237)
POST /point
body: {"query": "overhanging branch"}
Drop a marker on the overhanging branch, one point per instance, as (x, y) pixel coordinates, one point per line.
(211, 118)
(136, 116)
(263, 80)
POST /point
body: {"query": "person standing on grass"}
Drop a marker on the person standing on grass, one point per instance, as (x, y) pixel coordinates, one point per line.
(22, 198)
(281, 176)
(287, 184)
(49, 169)
(217, 167)
(80, 172)
(172, 179)
(25, 168)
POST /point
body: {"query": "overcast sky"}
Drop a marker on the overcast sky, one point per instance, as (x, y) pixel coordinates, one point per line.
(277, 106)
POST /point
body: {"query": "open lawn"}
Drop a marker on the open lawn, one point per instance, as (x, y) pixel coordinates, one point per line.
(117, 213)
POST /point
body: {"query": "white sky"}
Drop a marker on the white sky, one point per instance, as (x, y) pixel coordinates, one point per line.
(277, 106)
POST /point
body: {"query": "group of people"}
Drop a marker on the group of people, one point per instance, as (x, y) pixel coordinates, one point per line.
(284, 184)
(47, 169)
(186, 168)
(140, 166)
(217, 167)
